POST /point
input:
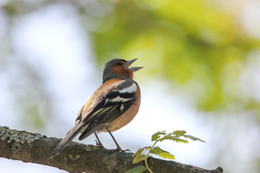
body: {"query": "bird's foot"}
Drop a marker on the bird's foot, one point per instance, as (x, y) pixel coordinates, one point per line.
(120, 150)
(99, 144)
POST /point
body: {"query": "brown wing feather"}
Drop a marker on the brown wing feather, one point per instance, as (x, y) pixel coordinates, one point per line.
(98, 96)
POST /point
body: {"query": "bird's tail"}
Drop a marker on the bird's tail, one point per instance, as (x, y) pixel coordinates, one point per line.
(70, 135)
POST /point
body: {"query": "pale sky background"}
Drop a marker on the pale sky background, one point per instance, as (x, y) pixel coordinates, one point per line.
(55, 44)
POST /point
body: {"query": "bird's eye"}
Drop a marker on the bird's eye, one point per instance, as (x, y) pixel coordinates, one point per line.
(120, 63)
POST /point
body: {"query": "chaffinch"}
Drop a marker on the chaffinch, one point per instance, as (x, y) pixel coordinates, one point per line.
(113, 105)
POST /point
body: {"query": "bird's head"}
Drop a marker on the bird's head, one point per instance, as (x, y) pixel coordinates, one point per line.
(119, 68)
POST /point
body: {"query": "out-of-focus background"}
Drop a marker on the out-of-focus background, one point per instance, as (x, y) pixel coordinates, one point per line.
(201, 73)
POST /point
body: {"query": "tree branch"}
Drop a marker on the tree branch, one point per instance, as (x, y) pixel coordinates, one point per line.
(76, 157)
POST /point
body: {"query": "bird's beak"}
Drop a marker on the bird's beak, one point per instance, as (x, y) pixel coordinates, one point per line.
(132, 68)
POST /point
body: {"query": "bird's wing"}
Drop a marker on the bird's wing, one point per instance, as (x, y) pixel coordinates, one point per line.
(111, 105)
(95, 100)
(109, 101)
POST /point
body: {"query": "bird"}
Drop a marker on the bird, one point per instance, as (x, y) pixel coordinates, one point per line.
(112, 106)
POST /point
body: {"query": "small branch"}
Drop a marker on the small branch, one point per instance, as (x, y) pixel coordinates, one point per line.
(76, 157)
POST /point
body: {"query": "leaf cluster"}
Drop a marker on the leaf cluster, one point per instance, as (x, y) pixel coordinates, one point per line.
(175, 136)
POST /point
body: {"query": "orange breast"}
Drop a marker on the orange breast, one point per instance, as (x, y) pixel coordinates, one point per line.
(126, 117)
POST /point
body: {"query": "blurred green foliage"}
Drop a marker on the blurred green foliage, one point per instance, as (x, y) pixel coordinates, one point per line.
(198, 46)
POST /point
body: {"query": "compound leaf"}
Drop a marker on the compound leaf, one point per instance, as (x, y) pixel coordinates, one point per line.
(179, 132)
(162, 153)
(173, 138)
(138, 156)
(157, 135)
(193, 138)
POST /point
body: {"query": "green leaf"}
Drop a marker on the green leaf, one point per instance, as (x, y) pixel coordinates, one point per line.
(162, 153)
(167, 155)
(173, 138)
(138, 156)
(179, 132)
(156, 150)
(193, 138)
(157, 135)
(138, 153)
(138, 169)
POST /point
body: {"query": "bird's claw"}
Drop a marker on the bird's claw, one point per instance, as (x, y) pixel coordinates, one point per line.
(120, 150)
(99, 144)
(124, 150)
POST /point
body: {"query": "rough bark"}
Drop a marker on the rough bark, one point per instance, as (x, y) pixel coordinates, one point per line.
(76, 157)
